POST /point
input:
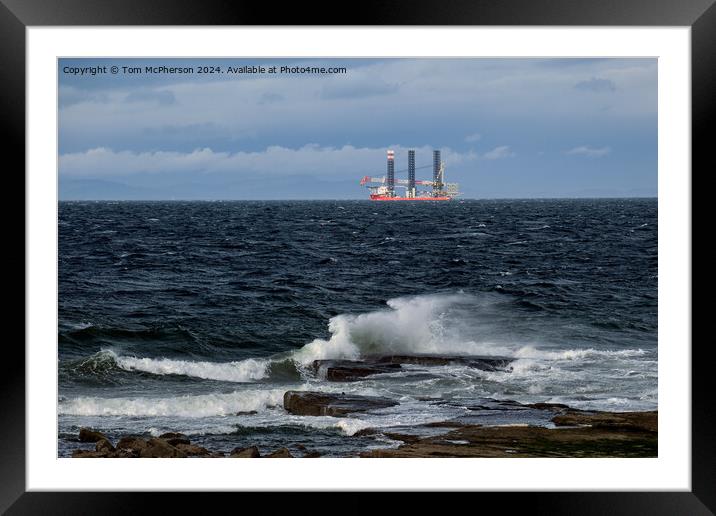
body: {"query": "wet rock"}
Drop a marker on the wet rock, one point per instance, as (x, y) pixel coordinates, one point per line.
(172, 435)
(529, 441)
(252, 452)
(365, 431)
(175, 438)
(89, 454)
(444, 424)
(281, 453)
(174, 441)
(406, 438)
(132, 444)
(104, 445)
(192, 450)
(485, 363)
(125, 454)
(555, 407)
(91, 436)
(246, 413)
(311, 455)
(308, 403)
(350, 370)
(159, 448)
(618, 421)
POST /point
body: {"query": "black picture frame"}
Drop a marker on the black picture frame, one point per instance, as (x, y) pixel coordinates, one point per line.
(17, 15)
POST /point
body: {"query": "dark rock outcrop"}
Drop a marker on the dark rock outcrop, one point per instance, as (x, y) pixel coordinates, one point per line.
(554, 407)
(352, 370)
(281, 453)
(89, 454)
(88, 435)
(608, 435)
(132, 444)
(172, 435)
(626, 421)
(485, 363)
(192, 450)
(308, 403)
(104, 445)
(252, 452)
(159, 448)
(175, 438)
(175, 441)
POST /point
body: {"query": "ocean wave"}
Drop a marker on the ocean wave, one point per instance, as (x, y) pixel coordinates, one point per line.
(205, 405)
(248, 370)
(105, 362)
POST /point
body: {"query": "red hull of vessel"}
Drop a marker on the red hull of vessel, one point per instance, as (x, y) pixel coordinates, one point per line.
(386, 198)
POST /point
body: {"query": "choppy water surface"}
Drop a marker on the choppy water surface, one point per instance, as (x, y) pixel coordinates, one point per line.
(197, 316)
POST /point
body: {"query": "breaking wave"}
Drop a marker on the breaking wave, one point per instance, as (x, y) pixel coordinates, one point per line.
(410, 325)
(429, 324)
(105, 362)
(205, 405)
(248, 370)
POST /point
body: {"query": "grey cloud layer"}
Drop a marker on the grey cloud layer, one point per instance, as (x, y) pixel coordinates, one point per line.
(400, 94)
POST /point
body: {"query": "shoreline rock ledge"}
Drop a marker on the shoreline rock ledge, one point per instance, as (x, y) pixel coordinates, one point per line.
(311, 403)
(333, 370)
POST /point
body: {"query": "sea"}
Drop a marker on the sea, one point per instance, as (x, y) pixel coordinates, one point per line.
(196, 317)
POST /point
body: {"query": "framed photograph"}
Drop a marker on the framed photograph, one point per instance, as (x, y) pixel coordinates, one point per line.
(441, 250)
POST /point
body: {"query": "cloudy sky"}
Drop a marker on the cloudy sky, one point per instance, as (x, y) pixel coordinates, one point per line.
(507, 128)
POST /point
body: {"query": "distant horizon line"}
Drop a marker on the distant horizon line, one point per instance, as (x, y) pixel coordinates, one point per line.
(364, 200)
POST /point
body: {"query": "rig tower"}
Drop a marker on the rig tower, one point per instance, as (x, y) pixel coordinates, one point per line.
(437, 174)
(411, 174)
(391, 173)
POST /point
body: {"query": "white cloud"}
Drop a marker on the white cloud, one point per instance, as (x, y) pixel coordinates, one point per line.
(589, 151)
(472, 138)
(503, 151)
(313, 159)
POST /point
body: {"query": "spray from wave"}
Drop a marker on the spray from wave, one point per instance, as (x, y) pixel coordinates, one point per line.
(411, 325)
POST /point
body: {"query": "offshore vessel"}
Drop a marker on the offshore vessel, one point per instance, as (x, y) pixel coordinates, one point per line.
(383, 188)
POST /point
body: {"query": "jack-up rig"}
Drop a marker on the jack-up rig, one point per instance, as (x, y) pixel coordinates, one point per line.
(383, 188)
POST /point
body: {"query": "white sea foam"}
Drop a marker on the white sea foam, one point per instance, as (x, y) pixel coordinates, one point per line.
(203, 430)
(351, 426)
(248, 370)
(575, 354)
(205, 405)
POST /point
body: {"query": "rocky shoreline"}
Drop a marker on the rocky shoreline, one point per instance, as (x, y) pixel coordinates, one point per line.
(569, 433)
(576, 434)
